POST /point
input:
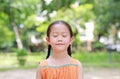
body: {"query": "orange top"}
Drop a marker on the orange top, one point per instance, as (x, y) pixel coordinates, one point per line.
(67, 71)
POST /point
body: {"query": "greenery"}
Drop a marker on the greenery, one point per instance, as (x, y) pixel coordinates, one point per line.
(98, 59)
(21, 19)
(21, 56)
(21, 52)
(98, 46)
(9, 60)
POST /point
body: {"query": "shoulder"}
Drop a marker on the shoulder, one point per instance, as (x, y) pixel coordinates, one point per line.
(43, 63)
(80, 70)
(75, 61)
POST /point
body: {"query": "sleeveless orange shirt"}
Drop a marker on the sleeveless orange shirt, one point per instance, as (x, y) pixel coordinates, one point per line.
(67, 71)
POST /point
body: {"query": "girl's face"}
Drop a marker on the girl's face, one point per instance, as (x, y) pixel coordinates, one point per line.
(59, 37)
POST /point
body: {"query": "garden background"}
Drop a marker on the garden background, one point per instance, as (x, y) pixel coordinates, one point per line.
(95, 23)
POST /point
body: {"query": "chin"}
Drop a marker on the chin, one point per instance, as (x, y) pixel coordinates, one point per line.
(60, 49)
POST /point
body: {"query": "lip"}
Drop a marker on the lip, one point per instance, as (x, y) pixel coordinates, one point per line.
(59, 44)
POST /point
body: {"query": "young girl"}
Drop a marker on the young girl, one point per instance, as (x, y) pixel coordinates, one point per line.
(59, 64)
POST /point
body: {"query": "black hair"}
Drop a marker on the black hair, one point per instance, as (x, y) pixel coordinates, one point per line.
(48, 34)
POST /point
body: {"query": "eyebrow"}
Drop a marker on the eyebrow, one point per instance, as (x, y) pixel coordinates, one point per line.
(58, 32)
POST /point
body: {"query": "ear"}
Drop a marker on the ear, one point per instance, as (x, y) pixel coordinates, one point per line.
(48, 40)
(71, 40)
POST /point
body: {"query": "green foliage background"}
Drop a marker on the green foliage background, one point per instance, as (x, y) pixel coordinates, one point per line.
(36, 15)
(32, 17)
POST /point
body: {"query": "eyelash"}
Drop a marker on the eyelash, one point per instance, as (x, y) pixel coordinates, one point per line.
(57, 35)
(64, 36)
(54, 36)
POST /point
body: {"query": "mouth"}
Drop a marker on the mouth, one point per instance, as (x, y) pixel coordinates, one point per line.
(59, 44)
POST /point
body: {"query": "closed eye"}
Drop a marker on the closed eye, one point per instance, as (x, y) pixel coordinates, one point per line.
(55, 35)
(64, 36)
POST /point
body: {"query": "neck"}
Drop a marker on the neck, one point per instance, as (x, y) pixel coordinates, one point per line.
(59, 58)
(60, 55)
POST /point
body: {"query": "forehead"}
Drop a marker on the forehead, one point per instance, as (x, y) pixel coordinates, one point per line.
(59, 28)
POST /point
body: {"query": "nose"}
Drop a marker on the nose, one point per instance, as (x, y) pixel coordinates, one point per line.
(60, 38)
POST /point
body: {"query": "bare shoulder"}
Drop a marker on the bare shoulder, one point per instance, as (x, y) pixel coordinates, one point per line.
(80, 70)
(39, 73)
(77, 62)
(42, 63)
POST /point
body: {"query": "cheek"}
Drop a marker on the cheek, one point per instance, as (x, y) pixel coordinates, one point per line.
(53, 40)
(67, 41)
